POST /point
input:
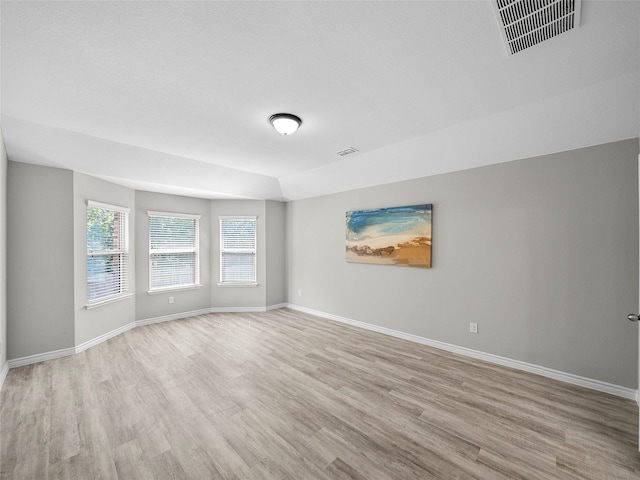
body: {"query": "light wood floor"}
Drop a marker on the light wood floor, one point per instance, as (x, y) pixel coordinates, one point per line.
(284, 395)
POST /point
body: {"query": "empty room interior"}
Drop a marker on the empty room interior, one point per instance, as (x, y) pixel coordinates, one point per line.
(319, 240)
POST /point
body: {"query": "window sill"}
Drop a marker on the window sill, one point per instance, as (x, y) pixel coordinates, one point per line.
(174, 289)
(99, 303)
(238, 284)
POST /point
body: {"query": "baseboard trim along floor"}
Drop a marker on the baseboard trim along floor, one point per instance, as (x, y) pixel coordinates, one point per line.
(593, 384)
(41, 357)
(287, 394)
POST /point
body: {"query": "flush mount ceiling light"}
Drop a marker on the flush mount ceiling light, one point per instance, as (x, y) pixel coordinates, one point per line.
(285, 123)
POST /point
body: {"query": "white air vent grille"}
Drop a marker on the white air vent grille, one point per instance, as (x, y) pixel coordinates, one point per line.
(347, 151)
(525, 23)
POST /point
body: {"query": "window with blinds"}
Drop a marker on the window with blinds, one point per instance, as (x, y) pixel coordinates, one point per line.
(238, 250)
(174, 245)
(107, 252)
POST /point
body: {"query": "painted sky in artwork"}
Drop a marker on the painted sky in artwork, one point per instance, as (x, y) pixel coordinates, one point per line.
(368, 224)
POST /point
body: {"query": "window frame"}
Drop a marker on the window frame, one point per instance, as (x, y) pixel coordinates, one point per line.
(123, 252)
(195, 250)
(254, 251)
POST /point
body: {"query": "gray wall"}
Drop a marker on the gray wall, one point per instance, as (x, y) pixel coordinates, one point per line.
(542, 253)
(157, 305)
(3, 253)
(275, 257)
(92, 323)
(47, 261)
(40, 287)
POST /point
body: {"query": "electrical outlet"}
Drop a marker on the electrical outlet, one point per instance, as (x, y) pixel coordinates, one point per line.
(299, 293)
(170, 299)
(473, 327)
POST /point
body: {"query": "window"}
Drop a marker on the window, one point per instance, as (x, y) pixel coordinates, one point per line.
(238, 250)
(174, 246)
(107, 252)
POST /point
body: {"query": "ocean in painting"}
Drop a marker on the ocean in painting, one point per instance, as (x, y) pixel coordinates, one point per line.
(390, 236)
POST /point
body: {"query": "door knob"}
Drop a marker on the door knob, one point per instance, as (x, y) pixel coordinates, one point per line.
(633, 317)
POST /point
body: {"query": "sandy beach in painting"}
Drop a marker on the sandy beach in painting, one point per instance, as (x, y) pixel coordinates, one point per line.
(392, 236)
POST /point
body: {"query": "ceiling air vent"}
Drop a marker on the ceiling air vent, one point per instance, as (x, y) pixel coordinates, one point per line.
(525, 23)
(347, 151)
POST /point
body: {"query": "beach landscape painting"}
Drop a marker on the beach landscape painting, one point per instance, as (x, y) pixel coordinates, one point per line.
(390, 236)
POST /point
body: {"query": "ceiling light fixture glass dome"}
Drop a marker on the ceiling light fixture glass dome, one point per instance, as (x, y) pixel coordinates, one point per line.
(285, 123)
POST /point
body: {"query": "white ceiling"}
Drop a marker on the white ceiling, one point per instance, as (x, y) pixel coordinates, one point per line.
(175, 96)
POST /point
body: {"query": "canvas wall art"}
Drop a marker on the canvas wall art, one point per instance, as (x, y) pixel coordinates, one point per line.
(390, 236)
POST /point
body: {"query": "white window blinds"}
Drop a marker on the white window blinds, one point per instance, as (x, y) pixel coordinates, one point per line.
(107, 252)
(238, 250)
(174, 242)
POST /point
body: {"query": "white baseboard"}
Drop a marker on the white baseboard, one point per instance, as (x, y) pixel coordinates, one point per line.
(41, 357)
(178, 316)
(237, 309)
(277, 306)
(247, 309)
(174, 316)
(488, 357)
(3, 373)
(104, 337)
